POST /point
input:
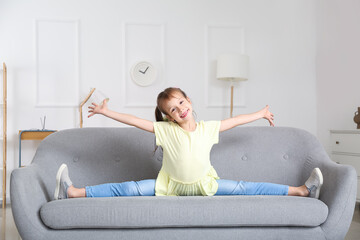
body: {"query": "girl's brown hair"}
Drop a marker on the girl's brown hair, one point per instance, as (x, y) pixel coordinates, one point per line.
(162, 97)
(159, 110)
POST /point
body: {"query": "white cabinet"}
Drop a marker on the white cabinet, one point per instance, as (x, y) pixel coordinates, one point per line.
(345, 149)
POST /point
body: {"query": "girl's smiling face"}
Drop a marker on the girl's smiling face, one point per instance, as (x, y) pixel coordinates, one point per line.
(179, 108)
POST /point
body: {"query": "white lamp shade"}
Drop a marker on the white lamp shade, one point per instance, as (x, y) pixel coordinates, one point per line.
(232, 67)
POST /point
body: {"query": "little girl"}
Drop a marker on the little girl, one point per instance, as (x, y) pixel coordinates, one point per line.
(186, 169)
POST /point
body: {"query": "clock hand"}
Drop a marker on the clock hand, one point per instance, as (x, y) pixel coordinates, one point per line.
(143, 72)
(146, 69)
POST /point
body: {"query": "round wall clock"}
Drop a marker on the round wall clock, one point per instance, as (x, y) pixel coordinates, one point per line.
(143, 73)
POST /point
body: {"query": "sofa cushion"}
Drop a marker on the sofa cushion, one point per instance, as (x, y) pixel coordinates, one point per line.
(194, 211)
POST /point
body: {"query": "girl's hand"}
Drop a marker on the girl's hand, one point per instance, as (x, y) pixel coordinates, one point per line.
(98, 109)
(268, 115)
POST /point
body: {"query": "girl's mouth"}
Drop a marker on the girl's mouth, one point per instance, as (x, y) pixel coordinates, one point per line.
(184, 114)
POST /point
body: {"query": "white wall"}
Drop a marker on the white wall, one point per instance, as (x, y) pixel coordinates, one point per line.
(338, 61)
(278, 35)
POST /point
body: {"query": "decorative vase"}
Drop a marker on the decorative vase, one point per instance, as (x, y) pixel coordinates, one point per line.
(357, 118)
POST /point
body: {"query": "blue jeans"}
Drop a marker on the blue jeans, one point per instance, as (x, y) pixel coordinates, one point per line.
(147, 188)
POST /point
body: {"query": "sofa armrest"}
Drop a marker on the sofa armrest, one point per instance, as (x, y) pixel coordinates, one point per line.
(339, 194)
(28, 195)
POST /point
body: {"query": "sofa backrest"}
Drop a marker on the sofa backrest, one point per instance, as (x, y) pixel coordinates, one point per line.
(103, 155)
(281, 155)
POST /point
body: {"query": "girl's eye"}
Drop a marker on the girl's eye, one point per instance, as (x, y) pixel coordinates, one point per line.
(172, 110)
(181, 102)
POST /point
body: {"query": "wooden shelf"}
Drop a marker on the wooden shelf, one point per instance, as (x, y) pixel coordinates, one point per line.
(34, 135)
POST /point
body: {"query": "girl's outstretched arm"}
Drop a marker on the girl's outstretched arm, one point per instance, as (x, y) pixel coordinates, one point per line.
(246, 118)
(121, 117)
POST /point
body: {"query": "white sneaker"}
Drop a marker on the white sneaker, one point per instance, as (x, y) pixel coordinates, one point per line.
(314, 183)
(63, 182)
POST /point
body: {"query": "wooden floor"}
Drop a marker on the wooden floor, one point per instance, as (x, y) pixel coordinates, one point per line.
(9, 231)
(8, 228)
(354, 231)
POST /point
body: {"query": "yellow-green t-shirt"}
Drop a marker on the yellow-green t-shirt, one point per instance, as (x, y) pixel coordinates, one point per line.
(186, 168)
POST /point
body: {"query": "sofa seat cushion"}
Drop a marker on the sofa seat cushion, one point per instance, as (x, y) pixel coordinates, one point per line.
(194, 211)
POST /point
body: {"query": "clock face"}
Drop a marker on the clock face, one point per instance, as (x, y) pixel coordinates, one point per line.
(143, 73)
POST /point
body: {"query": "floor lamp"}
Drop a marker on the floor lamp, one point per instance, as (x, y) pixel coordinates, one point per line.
(232, 67)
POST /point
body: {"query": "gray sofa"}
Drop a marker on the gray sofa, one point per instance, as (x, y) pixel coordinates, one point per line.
(101, 155)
